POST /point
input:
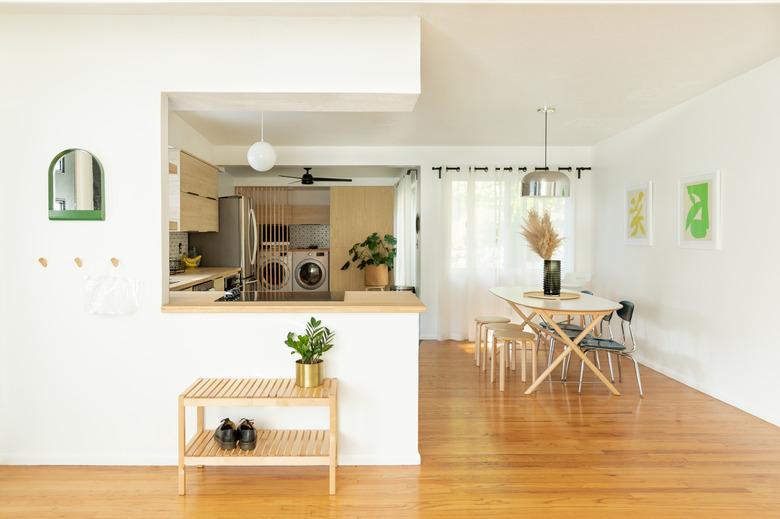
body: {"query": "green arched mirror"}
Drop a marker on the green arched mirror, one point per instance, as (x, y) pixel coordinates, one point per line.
(76, 190)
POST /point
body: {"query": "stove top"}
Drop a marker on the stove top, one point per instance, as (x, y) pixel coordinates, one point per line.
(284, 296)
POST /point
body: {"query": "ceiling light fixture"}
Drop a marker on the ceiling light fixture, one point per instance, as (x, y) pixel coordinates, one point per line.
(261, 155)
(541, 182)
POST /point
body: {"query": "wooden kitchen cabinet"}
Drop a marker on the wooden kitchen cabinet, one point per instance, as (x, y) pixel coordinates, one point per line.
(194, 191)
(310, 214)
(198, 177)
(198, 213)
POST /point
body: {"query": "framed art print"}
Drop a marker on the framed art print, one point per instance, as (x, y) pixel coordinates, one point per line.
(699, 211)
(638, 214)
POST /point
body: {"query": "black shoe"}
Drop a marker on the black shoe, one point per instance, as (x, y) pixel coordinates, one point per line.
(226, 435)
(247, 435)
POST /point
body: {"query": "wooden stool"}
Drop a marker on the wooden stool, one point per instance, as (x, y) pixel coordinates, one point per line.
(510, 335)
(480, 323)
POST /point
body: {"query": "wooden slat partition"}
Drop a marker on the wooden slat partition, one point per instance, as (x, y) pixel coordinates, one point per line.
(271, 207)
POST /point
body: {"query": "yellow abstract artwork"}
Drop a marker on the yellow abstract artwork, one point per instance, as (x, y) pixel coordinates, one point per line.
(638, 214)
(637, 217)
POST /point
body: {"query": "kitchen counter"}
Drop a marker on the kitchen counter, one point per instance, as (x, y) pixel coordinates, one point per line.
(280, 302)
(194, 276)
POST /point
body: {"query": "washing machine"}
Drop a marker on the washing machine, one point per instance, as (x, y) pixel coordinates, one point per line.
(274, 271)
(310, 271)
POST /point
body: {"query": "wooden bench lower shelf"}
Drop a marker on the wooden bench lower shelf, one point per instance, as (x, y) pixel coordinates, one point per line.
(274, 447)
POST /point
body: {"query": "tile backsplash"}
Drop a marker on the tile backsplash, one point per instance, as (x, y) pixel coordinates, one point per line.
(174, 239)
(304, 235)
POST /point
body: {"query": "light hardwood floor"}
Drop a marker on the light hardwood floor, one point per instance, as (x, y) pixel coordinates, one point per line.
(677, 453)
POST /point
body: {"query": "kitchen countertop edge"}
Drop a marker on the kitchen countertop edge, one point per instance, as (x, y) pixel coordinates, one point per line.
(193, 302)
(201, 275)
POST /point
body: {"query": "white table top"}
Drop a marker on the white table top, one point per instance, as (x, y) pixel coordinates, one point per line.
(582, 305)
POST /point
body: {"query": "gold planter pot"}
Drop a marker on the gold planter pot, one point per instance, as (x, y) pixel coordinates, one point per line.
(376, 276)
(308, 375)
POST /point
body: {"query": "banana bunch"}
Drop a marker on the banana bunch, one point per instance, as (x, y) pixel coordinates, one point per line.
(190, 262)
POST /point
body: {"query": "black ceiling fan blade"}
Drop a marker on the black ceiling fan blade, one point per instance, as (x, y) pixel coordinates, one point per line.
(293, 182)
(325, 179)
(288, 176)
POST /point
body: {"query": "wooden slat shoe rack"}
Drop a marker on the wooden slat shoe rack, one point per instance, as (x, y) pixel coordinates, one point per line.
(274, 447)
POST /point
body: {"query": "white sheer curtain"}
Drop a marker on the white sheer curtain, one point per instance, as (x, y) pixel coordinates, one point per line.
(405, 216)
(482, 216)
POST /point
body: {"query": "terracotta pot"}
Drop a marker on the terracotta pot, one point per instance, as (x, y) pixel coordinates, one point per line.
(308, 375)
(376, 276)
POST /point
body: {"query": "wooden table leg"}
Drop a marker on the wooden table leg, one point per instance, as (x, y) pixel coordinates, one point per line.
(182, 440)
(546, 372)
(573, 347)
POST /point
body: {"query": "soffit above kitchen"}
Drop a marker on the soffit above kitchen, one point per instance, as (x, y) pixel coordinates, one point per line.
(485, 68)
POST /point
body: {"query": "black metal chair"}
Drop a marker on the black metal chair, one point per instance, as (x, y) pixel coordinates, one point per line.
(611, 346)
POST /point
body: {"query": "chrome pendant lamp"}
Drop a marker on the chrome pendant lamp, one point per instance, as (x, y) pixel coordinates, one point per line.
(261, 155)
(541, 182)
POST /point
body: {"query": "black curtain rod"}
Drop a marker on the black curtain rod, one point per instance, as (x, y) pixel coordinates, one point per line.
(509, 169)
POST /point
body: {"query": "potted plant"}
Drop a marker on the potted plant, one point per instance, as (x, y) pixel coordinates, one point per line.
(317, 340)
(545, 240)
(375, 255)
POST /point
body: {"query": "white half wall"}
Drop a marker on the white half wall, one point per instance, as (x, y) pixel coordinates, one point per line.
(703, 317)
(95, 82)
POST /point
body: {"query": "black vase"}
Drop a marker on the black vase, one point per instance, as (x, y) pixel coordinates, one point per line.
(552, 277)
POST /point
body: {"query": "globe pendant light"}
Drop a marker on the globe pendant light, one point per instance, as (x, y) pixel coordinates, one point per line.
(541, 182)
(261, 155)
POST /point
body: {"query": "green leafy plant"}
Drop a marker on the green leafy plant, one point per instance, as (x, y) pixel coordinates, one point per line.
(374, 250)
(317, 340)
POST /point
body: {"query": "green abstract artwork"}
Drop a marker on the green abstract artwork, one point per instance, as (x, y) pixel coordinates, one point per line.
(699, 211)
(697, 221)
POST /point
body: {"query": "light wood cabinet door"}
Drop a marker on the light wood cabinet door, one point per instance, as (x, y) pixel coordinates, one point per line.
(198, 177)
(356, 212)
(310, 214)
(199, 213)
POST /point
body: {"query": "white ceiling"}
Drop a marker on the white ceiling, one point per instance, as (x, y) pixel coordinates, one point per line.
(360, 175)
(487, 67)
(318, 171)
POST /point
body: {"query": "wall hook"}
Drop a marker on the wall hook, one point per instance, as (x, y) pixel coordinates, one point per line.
(115, 262)
(43, 261)
(78, 262)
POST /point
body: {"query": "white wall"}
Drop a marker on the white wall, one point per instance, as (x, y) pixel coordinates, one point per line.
(184, 137)
(95, 82)
(430, 205)
(703, 317)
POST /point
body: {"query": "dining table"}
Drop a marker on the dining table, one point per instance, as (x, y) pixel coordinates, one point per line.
(528, 303)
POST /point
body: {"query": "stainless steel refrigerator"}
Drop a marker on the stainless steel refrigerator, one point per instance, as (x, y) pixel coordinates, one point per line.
(236, 242)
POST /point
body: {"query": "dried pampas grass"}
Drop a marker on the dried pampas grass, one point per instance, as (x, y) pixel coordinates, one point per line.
(541, 235)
